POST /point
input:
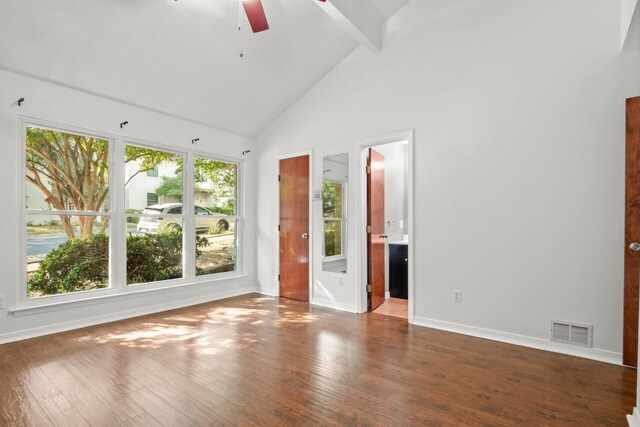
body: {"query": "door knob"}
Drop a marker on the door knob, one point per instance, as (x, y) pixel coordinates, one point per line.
(305, 235)
(383, 236)
(635, 247)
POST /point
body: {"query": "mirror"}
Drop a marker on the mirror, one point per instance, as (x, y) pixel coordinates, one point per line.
(335, 176)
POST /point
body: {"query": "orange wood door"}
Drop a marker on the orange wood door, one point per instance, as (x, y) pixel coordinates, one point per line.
(632, 235)
(294, 228)
(375, 229)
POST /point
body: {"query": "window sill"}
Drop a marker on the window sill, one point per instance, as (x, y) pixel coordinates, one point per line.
(29, 308)
(334, 258)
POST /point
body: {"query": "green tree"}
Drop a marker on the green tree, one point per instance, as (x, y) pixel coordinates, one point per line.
(171, 186)
(222, 174)
(68, 169)
(74, 169)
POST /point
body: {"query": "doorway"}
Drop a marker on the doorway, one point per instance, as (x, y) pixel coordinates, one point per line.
(387, 190)
(294, 227)
(631, 234)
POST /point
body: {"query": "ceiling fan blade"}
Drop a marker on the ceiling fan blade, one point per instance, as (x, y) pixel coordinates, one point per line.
(255, 14)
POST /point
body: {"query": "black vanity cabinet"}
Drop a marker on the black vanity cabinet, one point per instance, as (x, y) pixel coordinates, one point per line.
(398, 271)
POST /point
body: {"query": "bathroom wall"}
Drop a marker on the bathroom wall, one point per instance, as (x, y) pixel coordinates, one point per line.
(395, 202)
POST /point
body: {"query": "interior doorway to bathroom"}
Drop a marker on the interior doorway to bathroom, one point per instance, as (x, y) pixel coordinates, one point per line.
(387, 190)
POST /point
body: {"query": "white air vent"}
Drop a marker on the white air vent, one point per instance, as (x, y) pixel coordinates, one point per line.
(571, 333)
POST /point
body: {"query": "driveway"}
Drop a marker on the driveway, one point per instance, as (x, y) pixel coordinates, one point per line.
(38, 245)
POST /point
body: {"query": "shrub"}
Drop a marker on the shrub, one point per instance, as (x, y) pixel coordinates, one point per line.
(154, 257)
(83, 264)
(76, 265)
(221, 226)
(132, 219)
(329, 242)
(224, 210)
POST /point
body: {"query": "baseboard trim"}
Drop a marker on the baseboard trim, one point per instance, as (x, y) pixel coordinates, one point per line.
(522, 340)
(634, 418)
(334, 305)
(121, 315)
(267, 292)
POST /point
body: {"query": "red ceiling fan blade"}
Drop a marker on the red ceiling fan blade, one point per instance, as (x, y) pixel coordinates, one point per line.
(255, 14)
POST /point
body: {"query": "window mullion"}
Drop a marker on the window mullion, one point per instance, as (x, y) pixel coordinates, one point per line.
(188, 209)
(118, 258)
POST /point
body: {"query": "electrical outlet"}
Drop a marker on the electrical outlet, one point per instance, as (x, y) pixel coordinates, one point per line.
(1, 301)
(457, 296)
(341, 280)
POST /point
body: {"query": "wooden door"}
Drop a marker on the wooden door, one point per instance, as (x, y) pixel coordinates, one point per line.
(294, 228)
(375, 227)
(632, 235)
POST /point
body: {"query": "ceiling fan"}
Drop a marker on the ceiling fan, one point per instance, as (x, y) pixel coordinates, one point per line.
(256, 16)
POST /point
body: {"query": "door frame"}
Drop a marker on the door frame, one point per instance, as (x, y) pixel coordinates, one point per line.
(362, 146)
(277, 219)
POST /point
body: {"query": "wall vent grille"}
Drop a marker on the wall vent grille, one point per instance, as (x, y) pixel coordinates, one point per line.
(571, 333)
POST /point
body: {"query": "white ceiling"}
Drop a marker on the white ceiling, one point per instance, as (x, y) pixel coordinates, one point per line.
(178, 57)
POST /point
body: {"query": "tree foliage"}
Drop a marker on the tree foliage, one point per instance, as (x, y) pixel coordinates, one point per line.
(222, 174)
(68, 169)
(171, 186)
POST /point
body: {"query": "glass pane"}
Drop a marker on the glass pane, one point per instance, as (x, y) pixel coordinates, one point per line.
(66, 171)
(152, 178)
(66, 254)
(215, 245)
(332, 238)
(216, 185)
(154, 249)
(331, 199)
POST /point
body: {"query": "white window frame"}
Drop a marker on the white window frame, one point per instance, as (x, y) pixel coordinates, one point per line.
(117, 224)
(342, 220)
(123, 278)
(238, 217)
(23, 298)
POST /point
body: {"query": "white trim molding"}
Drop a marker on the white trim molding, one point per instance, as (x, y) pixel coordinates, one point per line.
(521, 340)
(270, 292)
(350, 308)
(634, 418)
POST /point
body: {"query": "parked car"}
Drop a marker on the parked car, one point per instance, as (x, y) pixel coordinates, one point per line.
(156, 224)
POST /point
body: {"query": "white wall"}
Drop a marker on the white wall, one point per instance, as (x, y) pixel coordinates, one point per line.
(518, 111)
(68, 107)
(628, 8)
(395, 197)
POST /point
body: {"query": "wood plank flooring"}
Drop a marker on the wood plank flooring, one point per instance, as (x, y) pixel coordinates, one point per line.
(256, 360)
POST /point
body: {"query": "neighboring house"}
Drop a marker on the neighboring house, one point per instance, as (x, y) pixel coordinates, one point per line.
(141, 190)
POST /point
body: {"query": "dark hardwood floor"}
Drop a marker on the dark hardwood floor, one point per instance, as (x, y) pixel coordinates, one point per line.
(256, 360)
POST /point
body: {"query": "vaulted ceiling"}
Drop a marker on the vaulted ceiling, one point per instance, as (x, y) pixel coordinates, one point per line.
(178, 57)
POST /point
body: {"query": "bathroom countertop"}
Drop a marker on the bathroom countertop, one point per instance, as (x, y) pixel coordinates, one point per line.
(404, 241)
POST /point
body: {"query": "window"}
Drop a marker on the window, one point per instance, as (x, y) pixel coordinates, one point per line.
(217, 222)
(152, 199)
(76, 242)
(66, 252)
(154, 250)
(333, 216)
